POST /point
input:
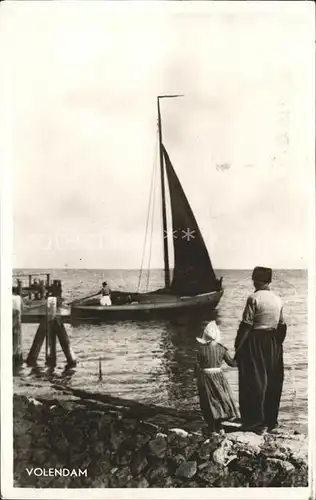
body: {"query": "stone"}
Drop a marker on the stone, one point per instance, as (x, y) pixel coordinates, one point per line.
(130, 424)
(287, 466)
(296, 478)
(223, 479)
(156, 473)
(193, 447)
(282, 465)
(193, 484)
(211, 473)
(206, 449)
(22, 427)
(121, 478)
(179, 433)
(187, 470)
(60, 482)
(122, 457)
(245, 465)
(42, 455)
(35, 409)
(97, 448)
(60, 443)
(77, 439)
(138, 441)
(167, 482)
(35, 402)
(236, 479)
(148, 428)
(158, 447)
(178, 439)
(67, 406)
(116, 438)
(249, 440)
(224, 453)
(162, 482)
(264, 476)
(98, 468)
(161, 435)
(139, 462)
(273, 454)
(99, 482)
(203, 465)
(140, 483)
(176, 460)
(20, 405)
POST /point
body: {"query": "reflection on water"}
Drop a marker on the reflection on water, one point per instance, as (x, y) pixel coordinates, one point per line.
(178, 348)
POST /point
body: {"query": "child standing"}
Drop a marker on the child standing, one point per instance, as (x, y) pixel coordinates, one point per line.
(216, 399)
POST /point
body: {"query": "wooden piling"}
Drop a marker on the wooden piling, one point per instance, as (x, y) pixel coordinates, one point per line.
(37, 343)
(51, 326)
(51, 309)
(17, 330)
(65, 343)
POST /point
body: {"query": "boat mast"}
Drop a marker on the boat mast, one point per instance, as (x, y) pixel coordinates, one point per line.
(163, 195)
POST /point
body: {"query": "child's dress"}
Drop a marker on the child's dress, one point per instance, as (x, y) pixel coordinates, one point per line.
(216, 399)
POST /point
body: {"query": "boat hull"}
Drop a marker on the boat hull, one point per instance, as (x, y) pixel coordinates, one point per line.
(202, 304)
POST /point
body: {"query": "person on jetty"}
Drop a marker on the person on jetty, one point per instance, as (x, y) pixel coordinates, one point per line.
(259, 355)
(42, 289)
(105, 299)
(216, 399)
(36, 291)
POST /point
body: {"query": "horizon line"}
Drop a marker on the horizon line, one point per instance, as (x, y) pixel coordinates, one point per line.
(153, 268)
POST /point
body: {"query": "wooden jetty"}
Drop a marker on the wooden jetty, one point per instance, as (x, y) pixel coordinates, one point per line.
(36, 314)
(34, 288)
(51, 327)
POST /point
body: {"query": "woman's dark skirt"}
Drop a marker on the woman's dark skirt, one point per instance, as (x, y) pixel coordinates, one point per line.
(261, 373)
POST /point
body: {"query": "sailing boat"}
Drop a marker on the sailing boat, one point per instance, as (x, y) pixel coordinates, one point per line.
(194, 287)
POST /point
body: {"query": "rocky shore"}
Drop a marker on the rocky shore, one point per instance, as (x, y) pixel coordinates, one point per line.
(124, 445)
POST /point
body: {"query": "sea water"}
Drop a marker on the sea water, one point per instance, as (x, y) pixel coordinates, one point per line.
(154, 361)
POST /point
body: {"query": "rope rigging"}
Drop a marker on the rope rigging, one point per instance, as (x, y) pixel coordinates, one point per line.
(152, 227)
(150, 211)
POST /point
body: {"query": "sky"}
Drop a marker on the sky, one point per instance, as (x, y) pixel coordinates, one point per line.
(83, 80)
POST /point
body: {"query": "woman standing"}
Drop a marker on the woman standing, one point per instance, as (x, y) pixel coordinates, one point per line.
(259, 354)
(216, 399)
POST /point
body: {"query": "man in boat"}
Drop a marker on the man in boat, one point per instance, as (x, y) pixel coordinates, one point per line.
(259, 355)
(105, 299)
(56, 291)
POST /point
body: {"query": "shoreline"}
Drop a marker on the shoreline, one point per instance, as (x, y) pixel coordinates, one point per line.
(126, 444)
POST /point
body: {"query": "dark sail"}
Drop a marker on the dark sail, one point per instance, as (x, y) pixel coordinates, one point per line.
(193, 271)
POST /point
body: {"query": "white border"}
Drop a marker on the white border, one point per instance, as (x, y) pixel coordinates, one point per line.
(6, 265)
(8, 491)
(164, 494)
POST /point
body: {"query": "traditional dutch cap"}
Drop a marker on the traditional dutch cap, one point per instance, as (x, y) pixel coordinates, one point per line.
(262, 274)
(211, 332)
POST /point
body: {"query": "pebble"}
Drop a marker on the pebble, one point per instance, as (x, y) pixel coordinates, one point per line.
(187, 470)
